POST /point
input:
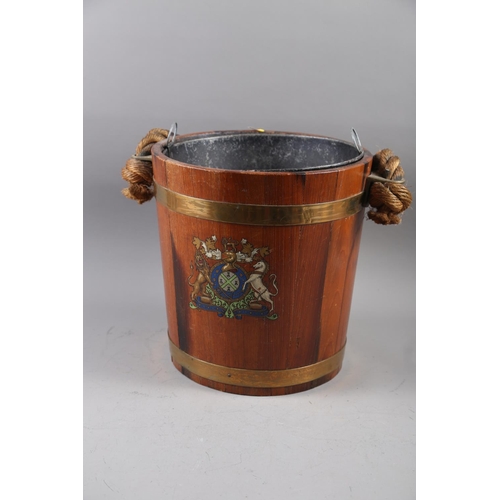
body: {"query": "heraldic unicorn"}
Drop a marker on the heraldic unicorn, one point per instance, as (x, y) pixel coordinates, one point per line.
(232, 282)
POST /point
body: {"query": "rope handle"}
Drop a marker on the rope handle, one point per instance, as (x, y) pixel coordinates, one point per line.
(384, 191)
(138, 171)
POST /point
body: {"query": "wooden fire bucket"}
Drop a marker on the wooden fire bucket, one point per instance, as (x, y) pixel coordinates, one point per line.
(259, 236)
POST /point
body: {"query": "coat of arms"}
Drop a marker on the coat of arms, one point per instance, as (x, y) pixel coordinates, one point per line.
(232, 281)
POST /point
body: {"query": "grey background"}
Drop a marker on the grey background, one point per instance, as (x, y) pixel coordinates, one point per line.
(315, 67)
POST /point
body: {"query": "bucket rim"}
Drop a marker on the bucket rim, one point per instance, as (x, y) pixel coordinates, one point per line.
(364, 156)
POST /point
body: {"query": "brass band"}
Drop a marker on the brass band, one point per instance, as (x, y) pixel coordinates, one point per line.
(256, 378)
(258, 215)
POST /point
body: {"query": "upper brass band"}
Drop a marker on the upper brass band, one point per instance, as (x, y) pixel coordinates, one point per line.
(258, 215)
(256, 378)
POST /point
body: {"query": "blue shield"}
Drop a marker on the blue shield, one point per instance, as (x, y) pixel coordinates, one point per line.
(228, 284)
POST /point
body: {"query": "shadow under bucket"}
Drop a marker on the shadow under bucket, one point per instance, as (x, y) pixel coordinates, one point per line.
(259, 235)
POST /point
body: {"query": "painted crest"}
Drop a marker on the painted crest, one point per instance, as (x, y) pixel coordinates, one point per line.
(232, 281)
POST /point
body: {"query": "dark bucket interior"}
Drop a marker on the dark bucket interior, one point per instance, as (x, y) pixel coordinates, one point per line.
(269, 152)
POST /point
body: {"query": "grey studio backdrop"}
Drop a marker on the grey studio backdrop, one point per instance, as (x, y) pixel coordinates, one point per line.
(302, 66)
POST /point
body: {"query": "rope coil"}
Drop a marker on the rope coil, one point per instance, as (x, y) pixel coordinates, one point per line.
(388, 200)
(139, 172)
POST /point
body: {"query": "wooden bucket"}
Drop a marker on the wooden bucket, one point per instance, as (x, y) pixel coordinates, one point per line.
(259, 236)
